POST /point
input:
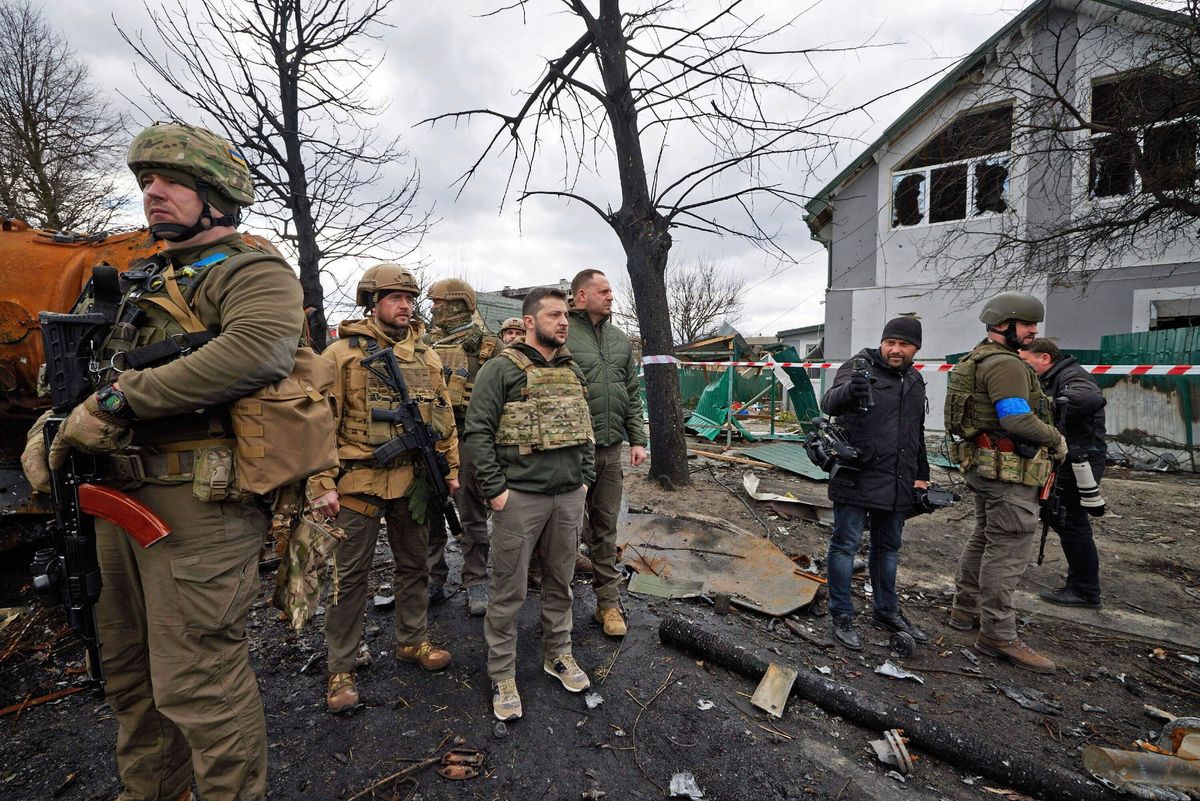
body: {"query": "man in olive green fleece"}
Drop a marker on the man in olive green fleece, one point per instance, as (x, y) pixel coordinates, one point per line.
(172, 617)
(603, 353)
(529, 433)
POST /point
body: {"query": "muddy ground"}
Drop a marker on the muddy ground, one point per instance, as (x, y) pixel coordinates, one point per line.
(664, 711)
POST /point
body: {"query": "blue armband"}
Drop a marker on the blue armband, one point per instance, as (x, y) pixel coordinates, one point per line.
(1008, 406)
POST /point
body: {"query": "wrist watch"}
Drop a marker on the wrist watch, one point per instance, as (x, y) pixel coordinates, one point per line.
(113, 401)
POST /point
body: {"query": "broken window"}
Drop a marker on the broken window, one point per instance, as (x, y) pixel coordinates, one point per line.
(961, 172)
(1157, 116)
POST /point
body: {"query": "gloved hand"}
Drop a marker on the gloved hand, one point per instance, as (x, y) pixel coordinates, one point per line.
(1059, 451)
(33, 458)
(89, 429)
(860, 386)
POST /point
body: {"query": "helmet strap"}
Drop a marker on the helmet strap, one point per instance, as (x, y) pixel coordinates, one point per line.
(1009, 334)
(174, 232)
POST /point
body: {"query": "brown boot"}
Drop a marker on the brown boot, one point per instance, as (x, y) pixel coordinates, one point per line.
(962, 620)
(1015, 651)
(612, 620)
(424, 655)
(342, 695)
(583, 564)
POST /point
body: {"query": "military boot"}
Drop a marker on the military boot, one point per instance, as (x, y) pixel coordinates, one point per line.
(342, 694)
(961, 620)
(1015, 651)
(612, 620)
(477, 600)
(424, 655)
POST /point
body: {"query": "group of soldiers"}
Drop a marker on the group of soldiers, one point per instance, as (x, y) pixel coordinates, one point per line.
(1017, 410)
(530, 425)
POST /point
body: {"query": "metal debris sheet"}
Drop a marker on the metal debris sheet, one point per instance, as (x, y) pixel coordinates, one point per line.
(786, 456)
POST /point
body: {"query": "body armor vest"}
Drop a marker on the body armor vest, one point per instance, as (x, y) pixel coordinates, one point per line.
(554, 413)
(462, 354)
(365, 391)
(969, 410)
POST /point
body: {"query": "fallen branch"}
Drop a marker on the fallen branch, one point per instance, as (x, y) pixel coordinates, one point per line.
(28, 702)
(721, 457)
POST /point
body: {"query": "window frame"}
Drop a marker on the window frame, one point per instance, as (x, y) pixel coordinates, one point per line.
(969, 213)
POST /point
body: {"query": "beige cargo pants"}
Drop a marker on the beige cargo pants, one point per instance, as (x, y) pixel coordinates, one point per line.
(600, 530)
(172, 621)
(410, 578)
(996, 554)
(550, 524)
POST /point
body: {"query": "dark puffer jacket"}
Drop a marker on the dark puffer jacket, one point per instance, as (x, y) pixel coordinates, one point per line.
(890, 436)
(1084, 429)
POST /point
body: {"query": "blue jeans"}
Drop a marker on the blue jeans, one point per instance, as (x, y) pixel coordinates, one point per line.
(848, 523)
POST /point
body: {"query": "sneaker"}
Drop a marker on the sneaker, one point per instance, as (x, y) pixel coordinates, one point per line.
(506, 701)
(583, 564)
(896, 621)
(845, 633)
(342, 693)
(962, 621)
(612, 620)
(1015, 651)
(564, 668)
(477, 600)
(1068, 596)
(437, 593)
(424, 655)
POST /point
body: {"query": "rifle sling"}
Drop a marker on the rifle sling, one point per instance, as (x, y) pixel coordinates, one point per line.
(165, 351)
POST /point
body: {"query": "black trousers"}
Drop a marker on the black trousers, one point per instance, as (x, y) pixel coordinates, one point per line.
(1074, 529)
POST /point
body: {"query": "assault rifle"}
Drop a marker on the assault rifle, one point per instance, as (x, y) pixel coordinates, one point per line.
(419, 438)
(69, 567)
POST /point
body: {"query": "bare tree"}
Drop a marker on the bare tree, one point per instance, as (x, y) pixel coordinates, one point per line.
(285, 80)
(699, 298)
(1108, 164)
(60, 141)
(634, 91)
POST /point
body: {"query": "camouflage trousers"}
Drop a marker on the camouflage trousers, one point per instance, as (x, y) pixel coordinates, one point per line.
(172, 621)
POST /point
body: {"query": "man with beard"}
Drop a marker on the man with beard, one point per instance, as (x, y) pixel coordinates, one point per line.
(889, 432)
(511, 330)
(529, 434)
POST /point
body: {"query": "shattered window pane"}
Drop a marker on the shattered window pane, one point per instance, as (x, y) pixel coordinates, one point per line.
(1142, 98)
(948, 193)
(1112, 171)
(1169, 155)
(908, 200)
(991, 185)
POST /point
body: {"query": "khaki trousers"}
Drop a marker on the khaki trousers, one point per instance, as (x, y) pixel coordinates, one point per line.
(354, 555)
(472, 513)
(997, 553)
(600, 530)
(550, 524)
(172, 620)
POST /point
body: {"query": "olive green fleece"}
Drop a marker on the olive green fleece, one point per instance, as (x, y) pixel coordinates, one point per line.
(256, 305)
(500, 467)
(605, 356)
(1005, 375)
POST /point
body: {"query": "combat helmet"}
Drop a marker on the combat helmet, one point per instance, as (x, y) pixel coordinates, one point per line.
(1012, 306)
(200, 159)
(512, 324)
(384, 277)
(453, 289)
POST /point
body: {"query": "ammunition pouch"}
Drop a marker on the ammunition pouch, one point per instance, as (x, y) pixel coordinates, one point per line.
(201, 462)
(1003, 465)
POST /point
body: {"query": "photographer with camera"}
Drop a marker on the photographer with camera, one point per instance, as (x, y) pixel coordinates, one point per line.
(1064, 380)
(879, 399)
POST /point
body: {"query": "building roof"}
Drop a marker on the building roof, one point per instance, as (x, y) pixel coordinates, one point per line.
(802, 330)
(495, 308)
(818, 209)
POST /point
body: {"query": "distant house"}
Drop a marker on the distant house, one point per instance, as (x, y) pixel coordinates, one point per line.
(496, 307)
(951, 163)
(804, 339)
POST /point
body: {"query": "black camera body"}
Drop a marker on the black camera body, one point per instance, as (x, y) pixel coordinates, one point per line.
(931, 499)
(829, 449)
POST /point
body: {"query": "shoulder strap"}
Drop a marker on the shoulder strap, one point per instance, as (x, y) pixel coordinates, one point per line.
(518, 358)
(487, 348)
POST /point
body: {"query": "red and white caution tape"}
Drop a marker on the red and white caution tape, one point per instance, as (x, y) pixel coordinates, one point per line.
(939, 367)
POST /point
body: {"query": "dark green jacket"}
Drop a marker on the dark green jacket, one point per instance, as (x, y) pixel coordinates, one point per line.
(500, 467)
(606, 358)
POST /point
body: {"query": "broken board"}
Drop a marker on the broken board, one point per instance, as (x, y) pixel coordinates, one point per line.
(752, 571)
(786, 456)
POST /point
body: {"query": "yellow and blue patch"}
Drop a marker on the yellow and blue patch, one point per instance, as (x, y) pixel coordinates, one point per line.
(236, 156)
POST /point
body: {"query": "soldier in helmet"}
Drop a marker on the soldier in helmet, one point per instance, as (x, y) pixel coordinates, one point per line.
(1005, 441)
(172, 618)
(511, 330)
(463, 347)
(361, 492)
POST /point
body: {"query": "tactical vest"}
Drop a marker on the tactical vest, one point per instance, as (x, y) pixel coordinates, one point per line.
(364, 391)
(462, 355)
(554, 413)
(971, 412)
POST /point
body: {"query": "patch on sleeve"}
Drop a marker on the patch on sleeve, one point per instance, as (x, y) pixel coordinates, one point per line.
(1009, 406)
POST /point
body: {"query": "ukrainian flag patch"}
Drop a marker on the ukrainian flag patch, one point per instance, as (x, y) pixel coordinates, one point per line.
(236, 156)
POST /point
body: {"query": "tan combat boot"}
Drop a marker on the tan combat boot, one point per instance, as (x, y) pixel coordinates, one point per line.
(962, 620)
(342, 695)
(1015, 651)
(613, 622)
(424, 655)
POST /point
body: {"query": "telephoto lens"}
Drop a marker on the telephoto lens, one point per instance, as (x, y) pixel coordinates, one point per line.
(1089, 490)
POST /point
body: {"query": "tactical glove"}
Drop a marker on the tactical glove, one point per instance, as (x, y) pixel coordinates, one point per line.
(33, 458)
(91, 430)
(860, 387)
(1059, 451)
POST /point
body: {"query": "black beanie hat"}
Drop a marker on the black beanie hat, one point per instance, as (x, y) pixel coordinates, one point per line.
(906, 328)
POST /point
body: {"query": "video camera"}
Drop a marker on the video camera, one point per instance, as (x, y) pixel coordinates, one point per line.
(827, 447)
(931, 499)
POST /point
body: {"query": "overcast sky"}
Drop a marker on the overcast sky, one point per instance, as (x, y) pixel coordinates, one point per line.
(442, 56)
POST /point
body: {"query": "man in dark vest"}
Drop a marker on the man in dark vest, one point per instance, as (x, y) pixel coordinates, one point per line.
(889, 433)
